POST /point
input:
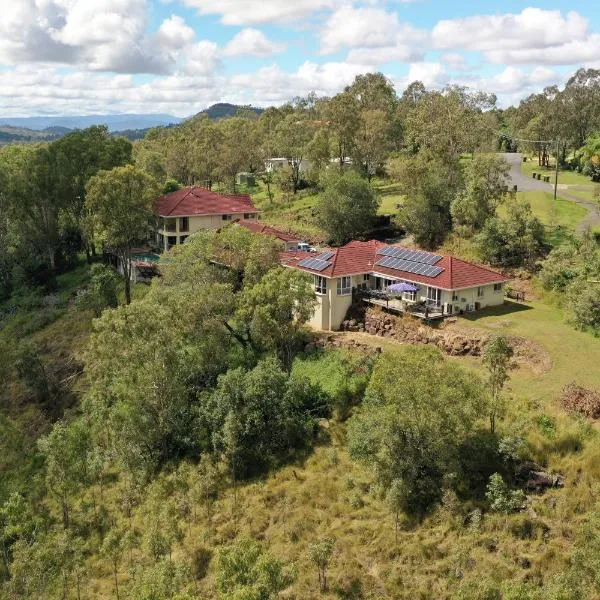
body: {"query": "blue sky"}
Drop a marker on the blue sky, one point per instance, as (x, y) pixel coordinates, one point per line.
(179, 56)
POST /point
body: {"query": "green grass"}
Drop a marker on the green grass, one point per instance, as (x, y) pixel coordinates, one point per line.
(559, 217)
(390, 196)
(328, 494)
(590, 193)
(564, 176)
(573, 354)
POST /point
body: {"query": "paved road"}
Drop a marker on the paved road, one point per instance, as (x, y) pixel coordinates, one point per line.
(528, 184)
(523, 183)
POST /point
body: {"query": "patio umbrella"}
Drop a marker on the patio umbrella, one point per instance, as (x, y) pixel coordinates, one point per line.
(402, 287)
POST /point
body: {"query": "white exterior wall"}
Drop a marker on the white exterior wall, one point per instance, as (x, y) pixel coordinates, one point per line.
(320, 318)
(198, 223)
(469, 297)
(332, 308)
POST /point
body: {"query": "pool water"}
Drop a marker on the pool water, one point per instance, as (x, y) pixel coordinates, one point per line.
(151, 258)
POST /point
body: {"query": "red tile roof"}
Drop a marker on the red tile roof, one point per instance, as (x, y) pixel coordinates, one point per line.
(191, 201)
(258, 227)
(360, 257)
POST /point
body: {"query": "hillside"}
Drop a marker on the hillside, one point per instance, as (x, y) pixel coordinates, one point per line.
(116, 122)
(222, 110)
(9, 134)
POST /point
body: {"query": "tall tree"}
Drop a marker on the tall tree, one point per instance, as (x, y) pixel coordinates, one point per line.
(419, 409)
(292, 139)
(486, 179)
(119, 205)
(373, 141)
(79, 156)
(429, 187)
(496, 357)
(347, 208)
(343, 122)
(65, 449)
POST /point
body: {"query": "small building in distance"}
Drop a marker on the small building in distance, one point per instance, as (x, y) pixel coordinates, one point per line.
(191, 209)
(289, 241)
(273, 165)
(436, 285)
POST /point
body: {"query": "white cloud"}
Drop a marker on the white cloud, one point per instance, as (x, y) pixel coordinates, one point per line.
(174, 33)
(252, 12)
(569, 53)
(252, 42)
(455, 60)
(432, 74)
(202, 58)
(33, 90)
(373, 35)
(273, 85)
(358, 27)
(534, 36)
(96, 34)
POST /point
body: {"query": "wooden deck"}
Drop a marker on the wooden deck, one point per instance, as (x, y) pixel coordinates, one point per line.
(395, 306)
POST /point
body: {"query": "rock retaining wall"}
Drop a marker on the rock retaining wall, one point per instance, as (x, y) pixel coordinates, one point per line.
(408, 330)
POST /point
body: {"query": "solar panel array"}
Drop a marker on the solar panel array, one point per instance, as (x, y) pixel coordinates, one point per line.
(415, 255)
(410, 266)
(316, 264)
(325, 255)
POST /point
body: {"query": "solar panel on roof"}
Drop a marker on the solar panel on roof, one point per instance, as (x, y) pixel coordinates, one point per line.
(325, 255)
(419, 256)
(316, 264)
(409, 266)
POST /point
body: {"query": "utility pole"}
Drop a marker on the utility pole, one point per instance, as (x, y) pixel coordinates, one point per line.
(556, 174)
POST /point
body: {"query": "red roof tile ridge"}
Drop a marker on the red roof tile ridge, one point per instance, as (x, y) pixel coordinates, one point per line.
(190, 191)
(334, 261)
(483, 267)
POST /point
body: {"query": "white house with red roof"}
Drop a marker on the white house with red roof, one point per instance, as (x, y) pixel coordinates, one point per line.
(192, 209)
(442, 285)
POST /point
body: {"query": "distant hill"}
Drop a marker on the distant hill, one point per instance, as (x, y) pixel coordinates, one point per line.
(119, 122)
(223, 110)
(131, 126)
(9, 134)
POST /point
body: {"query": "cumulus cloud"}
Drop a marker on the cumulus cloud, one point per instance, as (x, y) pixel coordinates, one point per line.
(96, 34)
(174, 33)
(202, 58)
(358, 27)
(252, 42)
(374, 36)
(101, 35)
(252, 12)
(533, 36)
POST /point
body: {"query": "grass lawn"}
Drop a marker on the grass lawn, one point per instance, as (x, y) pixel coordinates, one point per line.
(563, 213)
(573, 354)
(591, 192)
(390, 196)
(566, 177)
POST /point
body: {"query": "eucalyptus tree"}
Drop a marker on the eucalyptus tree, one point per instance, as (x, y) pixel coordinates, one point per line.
(119, 206)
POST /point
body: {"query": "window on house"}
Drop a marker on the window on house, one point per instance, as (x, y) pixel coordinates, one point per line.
(434, 296)
(320, 284)
(248, 216)
(497, 287)
(184, 224)
(344, 286)
(480, 292)
(226, 217)
(182, 239)
(454, 297)
(366, 277)
(170, 225)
